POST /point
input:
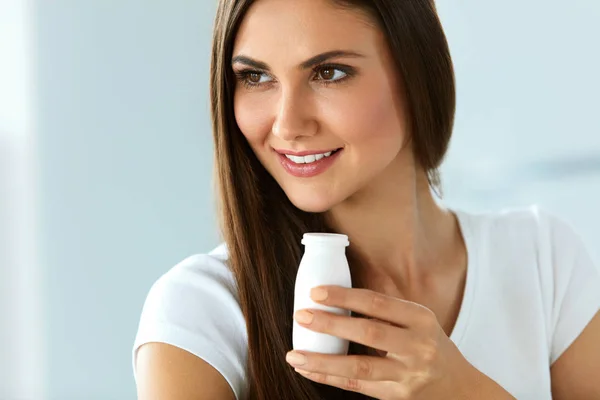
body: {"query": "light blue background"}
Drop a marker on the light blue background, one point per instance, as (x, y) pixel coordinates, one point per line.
(122, 158)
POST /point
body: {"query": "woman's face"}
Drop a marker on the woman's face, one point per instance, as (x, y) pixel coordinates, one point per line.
(318, 98)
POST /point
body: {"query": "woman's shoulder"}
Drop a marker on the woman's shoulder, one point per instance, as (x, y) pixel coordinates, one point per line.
(195, 280)
(525, 227)
(195, 306)
(530, 247)
(540, 257)
(201, 269)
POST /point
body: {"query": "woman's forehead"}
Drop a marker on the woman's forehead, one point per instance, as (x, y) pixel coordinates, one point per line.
(302, 28)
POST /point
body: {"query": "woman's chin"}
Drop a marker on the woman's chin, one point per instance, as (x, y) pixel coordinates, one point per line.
(312, 204)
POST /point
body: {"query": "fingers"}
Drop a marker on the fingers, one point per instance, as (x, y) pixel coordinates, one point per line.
(379, 390)
(386, 308)
(371, 333)
(353, 367)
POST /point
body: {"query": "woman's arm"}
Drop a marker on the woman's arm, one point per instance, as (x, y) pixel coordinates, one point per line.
(576, 373)
(169, 373)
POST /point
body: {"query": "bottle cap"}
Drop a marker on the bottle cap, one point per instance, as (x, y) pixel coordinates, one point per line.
(327, 239)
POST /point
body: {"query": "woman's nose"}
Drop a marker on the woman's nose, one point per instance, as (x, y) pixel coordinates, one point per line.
(294, 118)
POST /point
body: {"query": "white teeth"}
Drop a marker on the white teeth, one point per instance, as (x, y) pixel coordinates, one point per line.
(308, 159)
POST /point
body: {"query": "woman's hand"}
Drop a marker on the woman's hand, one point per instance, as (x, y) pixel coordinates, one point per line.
(420, 360)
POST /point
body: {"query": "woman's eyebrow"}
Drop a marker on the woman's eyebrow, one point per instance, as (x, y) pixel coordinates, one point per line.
(310, 63)
(321, 58)
(242, 59)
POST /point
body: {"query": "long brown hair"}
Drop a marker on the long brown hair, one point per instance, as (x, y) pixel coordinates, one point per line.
(262, 228)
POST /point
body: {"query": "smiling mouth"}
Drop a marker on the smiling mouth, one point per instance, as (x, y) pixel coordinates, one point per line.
(310, 158)
(308, 165)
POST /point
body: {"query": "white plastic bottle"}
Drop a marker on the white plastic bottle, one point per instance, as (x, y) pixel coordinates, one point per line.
(323, 263)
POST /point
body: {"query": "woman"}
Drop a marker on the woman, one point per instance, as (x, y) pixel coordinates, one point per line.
(334, 116)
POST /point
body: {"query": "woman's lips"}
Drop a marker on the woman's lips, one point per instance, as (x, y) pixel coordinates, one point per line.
(311, 169)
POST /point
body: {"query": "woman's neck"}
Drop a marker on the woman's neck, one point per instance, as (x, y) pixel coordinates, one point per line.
(399, 235)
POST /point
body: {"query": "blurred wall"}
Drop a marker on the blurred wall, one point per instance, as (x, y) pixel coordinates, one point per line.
(120, 163)
(125, 167)
(22, 347)
(526, 129)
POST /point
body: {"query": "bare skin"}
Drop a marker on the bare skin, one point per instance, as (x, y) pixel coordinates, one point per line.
(165, 372)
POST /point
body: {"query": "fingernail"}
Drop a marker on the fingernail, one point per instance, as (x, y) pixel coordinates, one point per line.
(295, 358)
(318, 294)
(304, 317)
(302, 372)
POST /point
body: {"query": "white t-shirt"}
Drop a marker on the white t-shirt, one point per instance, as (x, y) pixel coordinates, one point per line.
(531, 289)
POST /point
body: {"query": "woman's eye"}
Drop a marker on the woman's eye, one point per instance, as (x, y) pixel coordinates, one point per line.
(326, 75)
(252, 79)
(330, 74)
(256, 78)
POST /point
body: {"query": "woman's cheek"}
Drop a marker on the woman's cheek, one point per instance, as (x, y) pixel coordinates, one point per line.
(375, 117)
(356, 117)
(252, 118)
